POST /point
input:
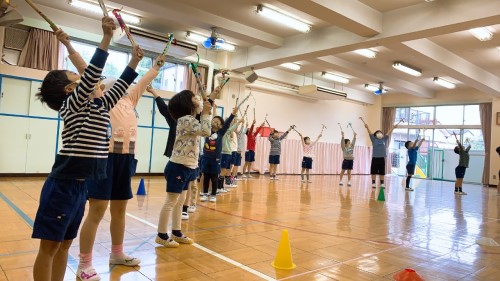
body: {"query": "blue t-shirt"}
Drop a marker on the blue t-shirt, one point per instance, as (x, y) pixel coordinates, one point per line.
(379, 148)
(213, 143)
(412, 155)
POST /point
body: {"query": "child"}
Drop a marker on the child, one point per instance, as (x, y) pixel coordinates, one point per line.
(379, 152)
(274, 155)
(116, 189)
(463, 164)
(412, 159)
(498, 185)
(307, 159)
(348, 162)
(83, 154)
(210, 160)
(240, 137)
(227, 156)
(181, 169)
(250, 153)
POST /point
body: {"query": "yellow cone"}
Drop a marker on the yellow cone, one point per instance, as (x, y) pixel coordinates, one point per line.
(283, 258)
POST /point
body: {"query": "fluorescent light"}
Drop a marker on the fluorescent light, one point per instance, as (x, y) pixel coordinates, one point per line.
(335, 77)
(93, 7)
(291, 65)
(366, 53)
(226, 46)
(198, 38)
(482, 33)
(444, 83)
(283, 19)
(375, 89)
(406, 69)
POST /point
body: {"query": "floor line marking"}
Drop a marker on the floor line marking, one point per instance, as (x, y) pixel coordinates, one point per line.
(213, 253)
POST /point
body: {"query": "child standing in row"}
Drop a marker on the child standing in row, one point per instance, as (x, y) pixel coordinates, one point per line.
(250, 153)
(463, 164)
(348, 153)
(227, 156)
(211, 158)
(181, 169)
(307, 158)
(83, 154)
(275, 153)
(241, 136)
(412, 158)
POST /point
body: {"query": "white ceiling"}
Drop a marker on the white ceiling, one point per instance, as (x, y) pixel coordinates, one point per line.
(432, 36)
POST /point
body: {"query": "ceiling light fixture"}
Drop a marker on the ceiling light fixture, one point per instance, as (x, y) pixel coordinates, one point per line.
(369, 53)
(334, 77)
(291, 65)
(444, 83)
(376, 89)
(93, 7)
(407, 69)
(482, 33)
(283, 19)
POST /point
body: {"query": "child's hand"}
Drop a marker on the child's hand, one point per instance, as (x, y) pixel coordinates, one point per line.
(159, 61)
(108, 25)
(235, 111)
(62, 37)
(342, 132)
(137, 54)
(206, 108)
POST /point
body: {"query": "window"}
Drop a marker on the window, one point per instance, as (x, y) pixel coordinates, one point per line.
(421, 116)
(472, 115)
(170, 77)
(450, 115)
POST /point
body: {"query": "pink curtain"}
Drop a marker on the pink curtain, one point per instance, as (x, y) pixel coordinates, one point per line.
(40, 50)
(388, 116)
(328, 157)
(485, 111)
(190, 80)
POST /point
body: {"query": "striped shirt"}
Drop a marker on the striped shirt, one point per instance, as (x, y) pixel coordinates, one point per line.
(85, 135)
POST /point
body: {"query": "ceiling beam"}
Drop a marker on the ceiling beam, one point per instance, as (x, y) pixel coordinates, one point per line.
(406, 24)
(176, 11)
(353, 16)
(450, 64)
(372, 75)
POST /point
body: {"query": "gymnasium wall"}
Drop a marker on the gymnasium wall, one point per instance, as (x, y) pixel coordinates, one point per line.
(458, 96)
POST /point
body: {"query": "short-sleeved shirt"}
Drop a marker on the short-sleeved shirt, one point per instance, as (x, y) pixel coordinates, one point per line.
(379, 146)
(412, 155)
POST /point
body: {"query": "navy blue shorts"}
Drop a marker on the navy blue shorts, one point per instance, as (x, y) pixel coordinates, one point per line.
(307, 162)
(250, 156)
(274, 159)
(120, 169)
(237, 158)
(347, 164)
(61, 208)
(460, 172)
(210, 165)
(378, 166)
(410, 169)
(178, 177)
(226, 161)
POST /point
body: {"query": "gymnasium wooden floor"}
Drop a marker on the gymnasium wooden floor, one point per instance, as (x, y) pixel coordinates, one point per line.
(336, 233)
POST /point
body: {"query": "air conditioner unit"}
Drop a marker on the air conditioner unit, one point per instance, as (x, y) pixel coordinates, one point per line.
(321, 93)
(156, 43)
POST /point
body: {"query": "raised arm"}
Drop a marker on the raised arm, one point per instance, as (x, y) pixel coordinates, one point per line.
(259, 129)
(416, 140)
(301, 138)
(395, 126)
(342, 140)
(353, 142)
(282, 137)
(74, 56)
(162, 106)
(138, 90)
(422, 140)
(366, 126)
(228, 121)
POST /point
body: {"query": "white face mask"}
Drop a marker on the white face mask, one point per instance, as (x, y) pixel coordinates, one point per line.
(379, 135)
(199, 107)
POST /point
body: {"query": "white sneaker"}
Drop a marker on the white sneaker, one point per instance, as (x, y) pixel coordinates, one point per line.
(125, 260)
(88, 274)
(237, 178)
(204, 198)
(169, 243)
(341, 183)
(374, 185)
(348, 183)
(409, 189)
(185, 216)
(382, 186)
(276, 178)
(249, 176)
(462, 193)
(309, 181)
(457, 192)
(233, 185)
(192, 209)
(213, 199)
(303, 181)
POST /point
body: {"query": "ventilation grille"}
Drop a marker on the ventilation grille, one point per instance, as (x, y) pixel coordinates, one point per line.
(15, 38)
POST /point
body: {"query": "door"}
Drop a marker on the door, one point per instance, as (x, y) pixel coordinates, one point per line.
(13, 143)
(15, 96)
(41, 148)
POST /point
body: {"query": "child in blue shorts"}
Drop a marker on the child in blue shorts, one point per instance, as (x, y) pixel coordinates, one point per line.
(463, 164)
(83, 154)
(181, 169)
(412, 147)
(307, 158)
(274, 154)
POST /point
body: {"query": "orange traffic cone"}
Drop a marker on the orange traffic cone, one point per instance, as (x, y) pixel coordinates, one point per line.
(283, 258)
(407, 275)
